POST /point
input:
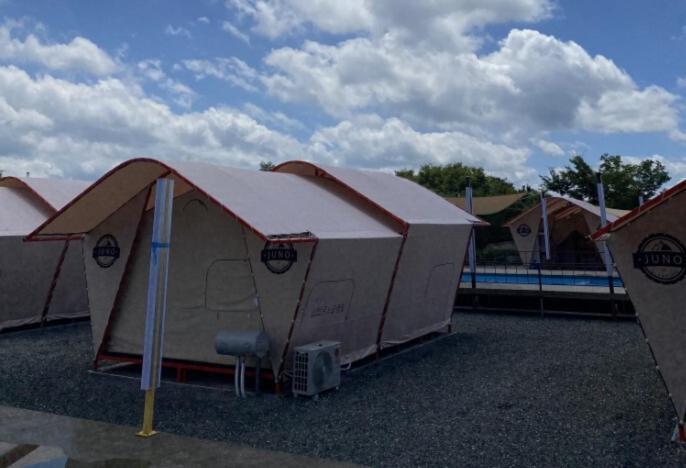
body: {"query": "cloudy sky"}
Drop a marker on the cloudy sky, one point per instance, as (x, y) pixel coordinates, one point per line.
(515, 86)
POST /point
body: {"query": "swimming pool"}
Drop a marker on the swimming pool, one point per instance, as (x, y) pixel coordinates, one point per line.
(557, 280)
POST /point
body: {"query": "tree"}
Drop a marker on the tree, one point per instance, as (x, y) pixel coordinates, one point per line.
(624, 181)
(451, 180)
(267, 166)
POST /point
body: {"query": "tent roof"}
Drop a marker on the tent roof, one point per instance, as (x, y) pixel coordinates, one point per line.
(273, 205)
(629, 216)
(20, 211)
(488, 205)
(559, 202)
(55, 193)
(402, 199)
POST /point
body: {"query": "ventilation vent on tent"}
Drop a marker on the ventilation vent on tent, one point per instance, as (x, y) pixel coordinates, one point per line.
(316, 368)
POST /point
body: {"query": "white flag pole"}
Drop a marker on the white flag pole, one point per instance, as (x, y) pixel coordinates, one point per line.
(157, 299)
(607, 258)
(544, 217)
(469, 204)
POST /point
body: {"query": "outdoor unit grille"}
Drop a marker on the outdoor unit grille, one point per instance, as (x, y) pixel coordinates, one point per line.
(316, 367)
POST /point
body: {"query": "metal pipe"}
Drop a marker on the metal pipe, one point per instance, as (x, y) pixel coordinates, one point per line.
(546, 234)
(607, 258)
(472, 244)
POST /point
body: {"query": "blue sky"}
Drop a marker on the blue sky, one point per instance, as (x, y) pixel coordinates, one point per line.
(515, 86)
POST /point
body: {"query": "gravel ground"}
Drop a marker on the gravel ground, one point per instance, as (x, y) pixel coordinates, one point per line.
(504, 391)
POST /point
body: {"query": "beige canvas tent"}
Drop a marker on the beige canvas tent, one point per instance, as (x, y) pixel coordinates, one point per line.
(38, 281)
(649, 250)
(304, 253)
(570, 224)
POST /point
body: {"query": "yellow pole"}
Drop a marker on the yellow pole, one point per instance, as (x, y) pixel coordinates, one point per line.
(148, 411)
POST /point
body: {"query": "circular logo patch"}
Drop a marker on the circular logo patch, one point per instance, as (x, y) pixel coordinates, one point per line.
(662, 258)
(279, 257)
(106, 251)
(523, 230)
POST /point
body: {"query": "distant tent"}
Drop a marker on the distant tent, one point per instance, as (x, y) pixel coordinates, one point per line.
(570, 222)
(489, 205)
(38, 281)
(649, 249)
(371, 259)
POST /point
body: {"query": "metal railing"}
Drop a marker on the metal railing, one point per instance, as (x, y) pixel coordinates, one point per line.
(548, 281)
(552, 274)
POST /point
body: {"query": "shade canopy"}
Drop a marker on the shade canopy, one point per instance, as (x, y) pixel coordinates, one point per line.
(484, 206)
(561, 206)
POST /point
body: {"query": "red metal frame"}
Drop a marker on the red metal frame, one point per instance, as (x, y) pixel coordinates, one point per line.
(379, 334)
(636, 212)
(55, 238)
(183, 366)
(53, 283)
(295, 314)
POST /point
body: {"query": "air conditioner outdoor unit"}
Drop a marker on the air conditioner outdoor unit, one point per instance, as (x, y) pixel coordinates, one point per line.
(316, 368)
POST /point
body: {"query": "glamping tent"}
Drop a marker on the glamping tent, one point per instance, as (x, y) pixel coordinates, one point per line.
(304, 253)
(44, 281)
(570, 223)
(649, 249)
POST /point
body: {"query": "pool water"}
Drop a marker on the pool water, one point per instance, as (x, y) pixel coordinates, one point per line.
(558, 280)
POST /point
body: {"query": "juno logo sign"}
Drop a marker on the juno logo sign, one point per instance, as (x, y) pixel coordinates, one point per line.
(662, 258)
(279, 257)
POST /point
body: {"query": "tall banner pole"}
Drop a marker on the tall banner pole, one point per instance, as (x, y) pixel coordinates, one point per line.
(157, 300)
(544, 217)
(469, 204)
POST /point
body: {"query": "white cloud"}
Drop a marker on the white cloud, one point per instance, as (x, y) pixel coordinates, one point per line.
(79, 54)
(274, 118)
(233, 70)
(531, 83)
(235, 32)
(178, 31)
(55, 127)
(152, 70)
(203, 19)
(373, 142)
(440, 23)
(548, 147)
(649, 110)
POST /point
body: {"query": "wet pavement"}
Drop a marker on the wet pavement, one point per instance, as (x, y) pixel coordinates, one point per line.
(36, 438)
